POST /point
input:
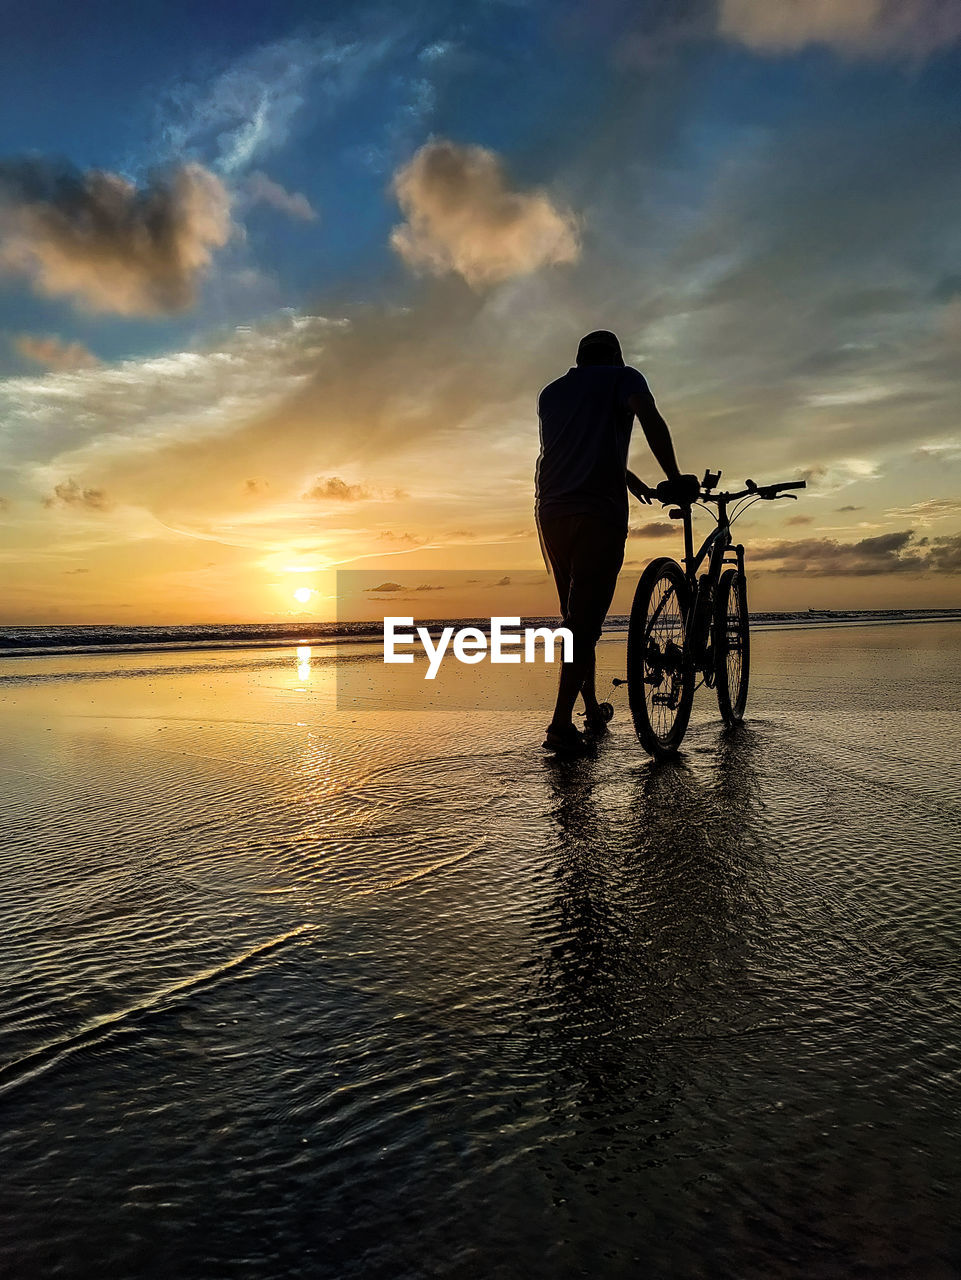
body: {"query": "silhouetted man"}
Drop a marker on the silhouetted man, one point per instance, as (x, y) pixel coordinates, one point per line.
(582, 483)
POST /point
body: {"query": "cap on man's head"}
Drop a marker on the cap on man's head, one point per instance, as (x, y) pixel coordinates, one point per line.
(599, 347)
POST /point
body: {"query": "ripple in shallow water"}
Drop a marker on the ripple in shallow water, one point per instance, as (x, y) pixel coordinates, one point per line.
(342, 1001)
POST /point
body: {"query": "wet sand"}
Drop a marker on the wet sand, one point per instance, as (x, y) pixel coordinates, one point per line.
(289, 990)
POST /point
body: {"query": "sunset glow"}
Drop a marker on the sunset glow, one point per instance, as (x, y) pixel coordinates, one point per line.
(480, 545)
(370, 276)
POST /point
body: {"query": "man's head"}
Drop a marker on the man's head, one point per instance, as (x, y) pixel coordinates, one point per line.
(599, 347)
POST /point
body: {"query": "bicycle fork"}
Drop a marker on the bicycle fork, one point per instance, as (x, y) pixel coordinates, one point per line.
(702, 640)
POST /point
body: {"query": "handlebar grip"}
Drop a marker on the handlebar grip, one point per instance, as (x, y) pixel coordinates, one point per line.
(772, 490)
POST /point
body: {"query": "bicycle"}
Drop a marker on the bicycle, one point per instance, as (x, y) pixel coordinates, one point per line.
(683, 626)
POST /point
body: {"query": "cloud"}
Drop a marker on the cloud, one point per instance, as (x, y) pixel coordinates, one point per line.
(850, 508)
(253, 487)
(801, 520)
(940, 450)
(408, 539)
(947, 288)
(394, 397)
(654, 529)
(333, 488)
(263, 190)
(944, 554)
(386, 587)
(929, 509)
(907, 28)
(462, 217)
(823, 480)
(70, 494)
(825, 557)
(754, 254)
(136, 407)
(409, 99)
(653, 37)
(819, 210)
(109, 245)
(249, 109)
(53, 353)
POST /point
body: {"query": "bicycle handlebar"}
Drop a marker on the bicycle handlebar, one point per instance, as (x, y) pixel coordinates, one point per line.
(766, 491)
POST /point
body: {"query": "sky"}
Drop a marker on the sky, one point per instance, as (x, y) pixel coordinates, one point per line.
(280, 283)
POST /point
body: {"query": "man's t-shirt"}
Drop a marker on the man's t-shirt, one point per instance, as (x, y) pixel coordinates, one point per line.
(585, 434)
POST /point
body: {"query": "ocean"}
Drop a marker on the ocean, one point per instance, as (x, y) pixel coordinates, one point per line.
(62, 638)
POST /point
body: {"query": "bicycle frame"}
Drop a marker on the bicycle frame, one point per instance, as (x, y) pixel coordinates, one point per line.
(717, 544)
(719, 550)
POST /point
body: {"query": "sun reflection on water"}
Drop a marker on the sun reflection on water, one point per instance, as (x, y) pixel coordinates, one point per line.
(303, 662)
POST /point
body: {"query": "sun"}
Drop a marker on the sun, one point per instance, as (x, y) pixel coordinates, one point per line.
(303, 594)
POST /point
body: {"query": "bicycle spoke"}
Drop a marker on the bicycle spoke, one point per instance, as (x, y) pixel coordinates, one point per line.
(732, 629)
(659, 682)
(733, 656)
(664, 646)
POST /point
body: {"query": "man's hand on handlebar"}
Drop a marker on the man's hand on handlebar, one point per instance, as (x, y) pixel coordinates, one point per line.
(641, 491)
(685, 490)
(682, 488)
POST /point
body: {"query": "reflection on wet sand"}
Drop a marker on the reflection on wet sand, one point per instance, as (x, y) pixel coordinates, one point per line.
(651, 907)
(385, 992)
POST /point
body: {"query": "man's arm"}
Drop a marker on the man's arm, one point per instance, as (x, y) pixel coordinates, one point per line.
(640, 490)
(656, 431)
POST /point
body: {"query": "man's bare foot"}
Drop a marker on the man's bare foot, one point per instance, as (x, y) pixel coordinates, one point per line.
(565, 740)
(596, 718)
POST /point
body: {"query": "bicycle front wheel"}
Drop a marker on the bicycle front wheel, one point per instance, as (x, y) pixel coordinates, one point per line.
(660, 678)
(732, 646)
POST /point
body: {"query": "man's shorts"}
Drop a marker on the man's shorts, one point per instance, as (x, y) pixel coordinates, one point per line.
(585, 553)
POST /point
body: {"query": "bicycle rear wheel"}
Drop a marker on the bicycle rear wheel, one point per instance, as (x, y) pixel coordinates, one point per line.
(660, 679)
(732, 646)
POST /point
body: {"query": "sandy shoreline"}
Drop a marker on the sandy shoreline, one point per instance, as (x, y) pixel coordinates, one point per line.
(276, 973)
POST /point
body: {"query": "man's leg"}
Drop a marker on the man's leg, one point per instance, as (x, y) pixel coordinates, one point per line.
(573, 678)
(557, 537)
(588, 688)
(595, 563)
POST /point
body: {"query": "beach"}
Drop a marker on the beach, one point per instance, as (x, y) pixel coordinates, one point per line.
(295, 985)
